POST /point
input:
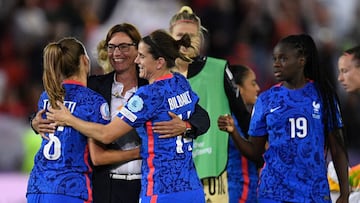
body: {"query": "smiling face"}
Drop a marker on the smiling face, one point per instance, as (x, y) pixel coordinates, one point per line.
(349, 73)
(122, 61)
(148, 66)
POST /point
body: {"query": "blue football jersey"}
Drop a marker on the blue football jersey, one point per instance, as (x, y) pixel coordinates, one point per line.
(242, 174)
(62, 164)
(167, 163)
(295, 169)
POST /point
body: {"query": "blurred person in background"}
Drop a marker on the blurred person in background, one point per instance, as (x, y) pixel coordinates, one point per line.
(349, 70)
(349, 78)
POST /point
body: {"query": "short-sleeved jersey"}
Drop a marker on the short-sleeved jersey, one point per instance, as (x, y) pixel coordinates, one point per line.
(167, 163)
(242, 174)
(295, 169)
(61, 165)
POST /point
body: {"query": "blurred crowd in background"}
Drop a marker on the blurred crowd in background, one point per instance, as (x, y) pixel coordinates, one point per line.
(241, 31)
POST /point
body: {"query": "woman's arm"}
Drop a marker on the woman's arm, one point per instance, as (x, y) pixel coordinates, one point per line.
(252, 148)
(40, 125)
(100, 155)
(103, 133)
(199, 123)
(340, 160)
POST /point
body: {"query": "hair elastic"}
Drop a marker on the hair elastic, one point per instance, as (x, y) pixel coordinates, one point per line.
(183, 21)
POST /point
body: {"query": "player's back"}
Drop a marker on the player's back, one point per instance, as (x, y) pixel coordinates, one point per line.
(166, 162)
(62, 164)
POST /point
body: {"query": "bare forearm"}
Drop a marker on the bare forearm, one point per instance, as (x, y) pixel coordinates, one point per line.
(115, 156)
(103, 133)
(246, 147)
(340, 160)
(90, 129)
(343, 177)
(252, 148)
(341, 168)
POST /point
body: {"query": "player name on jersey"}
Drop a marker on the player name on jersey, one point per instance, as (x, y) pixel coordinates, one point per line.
(179, 100)
(69, 104)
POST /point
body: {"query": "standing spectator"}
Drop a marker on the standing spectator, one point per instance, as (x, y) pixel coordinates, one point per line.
(168, 171)
(299, 117)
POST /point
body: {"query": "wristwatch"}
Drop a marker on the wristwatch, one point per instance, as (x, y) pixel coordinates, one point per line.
(188, 131)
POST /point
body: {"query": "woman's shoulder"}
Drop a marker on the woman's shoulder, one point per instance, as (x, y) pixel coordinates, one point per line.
(100, 78)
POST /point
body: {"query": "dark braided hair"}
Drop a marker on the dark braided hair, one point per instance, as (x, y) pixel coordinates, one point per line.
(305, 46)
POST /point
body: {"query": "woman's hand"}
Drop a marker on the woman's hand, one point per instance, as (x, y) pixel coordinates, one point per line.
(42, 126)
(171, 128)
(60, 116)
(226, 123)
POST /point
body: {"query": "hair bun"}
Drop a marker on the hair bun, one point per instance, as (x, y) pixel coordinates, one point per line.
(186, 9)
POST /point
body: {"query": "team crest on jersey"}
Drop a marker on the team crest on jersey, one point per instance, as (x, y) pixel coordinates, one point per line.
(316, 110)
(105, 112)
(135, 104)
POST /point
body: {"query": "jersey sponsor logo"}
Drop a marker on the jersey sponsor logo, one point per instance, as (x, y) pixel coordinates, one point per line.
(179, 100)
(316, 110)
(135, 104)
(316, 105)
(105, 112)
(128, 114)
(275, 109)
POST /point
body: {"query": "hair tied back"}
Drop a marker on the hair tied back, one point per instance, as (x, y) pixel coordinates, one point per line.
(184, 41)
(186, 9)
(61, 47)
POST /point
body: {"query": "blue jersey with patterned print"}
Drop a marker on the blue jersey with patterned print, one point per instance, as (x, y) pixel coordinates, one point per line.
(295, 169)
(242, 174)
(61, 165)
(167, 163)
